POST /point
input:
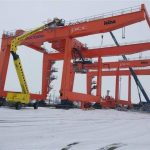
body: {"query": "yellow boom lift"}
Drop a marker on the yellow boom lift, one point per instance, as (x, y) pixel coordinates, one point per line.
(19, 98)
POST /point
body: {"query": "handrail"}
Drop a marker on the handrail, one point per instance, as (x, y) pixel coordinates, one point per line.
(135, 68)
(105, 15)
(136, 58)
(90, 18)
(121, 44)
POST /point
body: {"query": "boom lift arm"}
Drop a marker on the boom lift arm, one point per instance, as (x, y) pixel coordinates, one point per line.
(137, 81)
(24, 96)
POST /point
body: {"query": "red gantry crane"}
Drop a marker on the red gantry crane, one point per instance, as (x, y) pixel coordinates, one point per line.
(62, 36)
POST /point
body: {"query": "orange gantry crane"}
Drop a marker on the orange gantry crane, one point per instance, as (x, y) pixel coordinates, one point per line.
(62, 36)
(117, 69)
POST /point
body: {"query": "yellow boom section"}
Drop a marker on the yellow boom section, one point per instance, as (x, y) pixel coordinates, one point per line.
(24, 96)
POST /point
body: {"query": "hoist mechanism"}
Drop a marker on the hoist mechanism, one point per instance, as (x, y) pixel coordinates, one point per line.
(123, 33)
(24, 97)
(79, 58)
(102, 39)
(79, 61)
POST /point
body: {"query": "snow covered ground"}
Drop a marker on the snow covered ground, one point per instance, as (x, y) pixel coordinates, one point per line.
(53, 129)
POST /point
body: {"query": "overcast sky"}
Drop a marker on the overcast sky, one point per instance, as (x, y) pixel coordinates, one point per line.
(27, 14)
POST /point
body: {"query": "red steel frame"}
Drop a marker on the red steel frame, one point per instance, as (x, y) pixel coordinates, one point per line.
(63, 40)
(116, 69)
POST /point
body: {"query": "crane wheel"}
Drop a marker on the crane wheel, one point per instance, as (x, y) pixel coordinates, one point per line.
(2, 101)
(18, 106)
(97, 106)
(36, 105)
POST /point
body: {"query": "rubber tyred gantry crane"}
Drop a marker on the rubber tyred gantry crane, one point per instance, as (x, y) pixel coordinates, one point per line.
(63, 40)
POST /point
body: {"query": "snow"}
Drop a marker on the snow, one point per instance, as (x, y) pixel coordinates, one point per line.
(54, 129)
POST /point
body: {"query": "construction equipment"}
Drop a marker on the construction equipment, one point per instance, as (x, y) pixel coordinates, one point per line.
(24, 96)
(73, 53)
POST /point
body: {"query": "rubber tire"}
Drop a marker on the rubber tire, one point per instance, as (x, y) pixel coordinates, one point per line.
(2, 102)
(18, 106)
(36, 105)
(97, 106)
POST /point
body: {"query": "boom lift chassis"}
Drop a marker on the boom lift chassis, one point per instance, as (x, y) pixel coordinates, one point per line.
(63, 40)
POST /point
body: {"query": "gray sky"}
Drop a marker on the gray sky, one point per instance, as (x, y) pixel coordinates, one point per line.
(27, 14)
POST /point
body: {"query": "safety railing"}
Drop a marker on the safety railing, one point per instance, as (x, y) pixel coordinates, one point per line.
(91, 18)
(121, 44)
(9, 33)
(141, 68)
(134, 68)
(105, 15)
(136, 58)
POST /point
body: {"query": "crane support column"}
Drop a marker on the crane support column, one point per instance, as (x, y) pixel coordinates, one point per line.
(88, 83)
(46, 75)
(129, 91)
(66, 78)
(146, 14)
(117, 87)
(99, 77)
(4, 60)
(72, 75)
(88, 87)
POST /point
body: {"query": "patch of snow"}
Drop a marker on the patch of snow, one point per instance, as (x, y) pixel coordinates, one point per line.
(55, 129)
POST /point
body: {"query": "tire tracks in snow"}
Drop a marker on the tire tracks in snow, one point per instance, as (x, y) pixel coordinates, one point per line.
(70, 146)
(112, 146)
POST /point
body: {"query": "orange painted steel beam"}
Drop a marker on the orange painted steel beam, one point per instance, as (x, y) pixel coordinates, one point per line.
(55, 56)
(37, 96)
(3, 93)
(108, 51)
(120, 64)
(45, 74)
(60, 45)
(88, 83)
(124, 102)
(126, 64)
(73, 96)
(66, 78)
(86, 28)
(113, 51)
(146, 14)
(72, 76)
(37, 47)
(116, 51)
(99, 77)
(121, 72)
(4, 60)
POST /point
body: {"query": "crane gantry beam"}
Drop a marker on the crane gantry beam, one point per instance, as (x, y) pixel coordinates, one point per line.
(93, 25)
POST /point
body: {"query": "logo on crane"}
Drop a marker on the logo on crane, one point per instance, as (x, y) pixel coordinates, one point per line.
(76, 29)
(108, 22)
